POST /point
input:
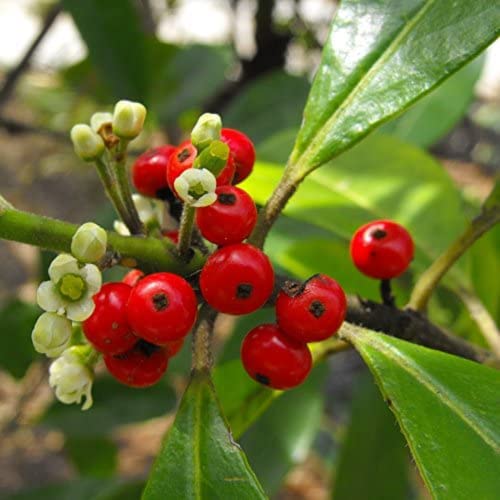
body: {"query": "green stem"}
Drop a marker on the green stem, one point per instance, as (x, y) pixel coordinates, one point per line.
(186, 230)
(430, 279)
(4, 205)
(56, 235)
(131, 219)
(202, 339)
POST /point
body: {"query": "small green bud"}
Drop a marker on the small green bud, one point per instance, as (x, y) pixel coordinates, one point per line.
(128, 119)
(213, 158)
(97, 120)
(88, 145)
(51, 334)
(89, 243)
(206, 130)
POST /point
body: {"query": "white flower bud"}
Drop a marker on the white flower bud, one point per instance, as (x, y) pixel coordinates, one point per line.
(196, 187)
(207, 129)
(71, 379)
(88, 145)
(97, 120)
(89, 243)
(128, 119)
(51, 334)
(150, 211)
(121, 228)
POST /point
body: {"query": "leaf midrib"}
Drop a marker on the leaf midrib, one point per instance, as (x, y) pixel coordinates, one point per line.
(319, 137)
(433, 386)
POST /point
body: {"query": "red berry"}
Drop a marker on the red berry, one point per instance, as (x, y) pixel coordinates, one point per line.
(183, 158)
(382, 249)
(107, 328)
(237, 279)
(148, 171)
(173, 347)
(133, 277)
(172, 235)
(242, 150)
(273, 359)
(142, 366)
(162, 308)
(230, 219)
(313, 311)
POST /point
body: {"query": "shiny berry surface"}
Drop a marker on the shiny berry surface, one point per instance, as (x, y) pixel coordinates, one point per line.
(142, 366)
(148, 171)
(273, 359)
(183, 158)
(133, 277)
(242, 150)
(382, 249)
(174, 347)
(313, 311)
(237, 279)
(230, 219)
(107, 329)
(162, 308)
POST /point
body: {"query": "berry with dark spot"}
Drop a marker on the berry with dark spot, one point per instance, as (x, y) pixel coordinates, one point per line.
(148, 171)
(272, 358)
(242, 150)
(382, 249)
(230, 219)
(142, 366)
(237, 279)
(107, 329)
(162, 308)
(311, 312)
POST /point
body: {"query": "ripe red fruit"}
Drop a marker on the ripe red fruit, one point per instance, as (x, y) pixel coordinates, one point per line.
(230, 219)
(242, 150)
(183, 158)
(162, 308)
(382, 249)
(148, 171)
(237, 279)
(173, 347)
(313, 311)
(142, 366)
(133, 277)
(172, 235)
(273, 359)
(107, 329)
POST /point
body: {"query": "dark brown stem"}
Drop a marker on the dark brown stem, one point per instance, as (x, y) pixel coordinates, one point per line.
(386, 293)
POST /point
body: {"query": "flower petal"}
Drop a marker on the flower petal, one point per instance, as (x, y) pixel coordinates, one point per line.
(81, 310)
(48, 298)
(205, 200)
(61, 265)
(92, 277)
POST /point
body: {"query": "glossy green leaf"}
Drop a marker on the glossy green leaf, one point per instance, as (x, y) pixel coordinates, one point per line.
(267, 105)
(114, 404)
(199, 458)
(373, 449)
(436, 114)
(16, 349)
(381, 56)
(448, 409)
(116, 43)
(92, 457)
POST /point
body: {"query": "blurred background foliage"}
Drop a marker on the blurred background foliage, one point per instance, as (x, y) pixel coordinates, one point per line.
(251, 61)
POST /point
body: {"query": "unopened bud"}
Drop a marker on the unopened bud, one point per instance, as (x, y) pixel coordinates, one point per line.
(207, 129)
(128, 119)
(100, 119)
(51, 334)
(88, 145)
(89, 243)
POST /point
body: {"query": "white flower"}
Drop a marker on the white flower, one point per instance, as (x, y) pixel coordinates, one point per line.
(71, 379)
(207, 129)
(70, 288)
(51, 334)
(150, 212)
(128, 119)
(97, 120)
(88, 145)
(196, 187)
(89, 243)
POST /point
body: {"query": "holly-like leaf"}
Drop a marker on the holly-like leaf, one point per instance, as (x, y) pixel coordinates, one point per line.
(378, 59)
(448, 409)
(199, 458)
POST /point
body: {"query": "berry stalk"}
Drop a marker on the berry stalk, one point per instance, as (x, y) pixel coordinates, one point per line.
(186, 230)
(202, 339)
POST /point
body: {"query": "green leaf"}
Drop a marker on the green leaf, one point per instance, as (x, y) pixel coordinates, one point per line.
(199, 458)
(437, 113)
(378, 59)
(16, 350)
(448, 409)
(92, 457)
(267, 105)
(116, 43)
(114, 404)
(373, 449)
